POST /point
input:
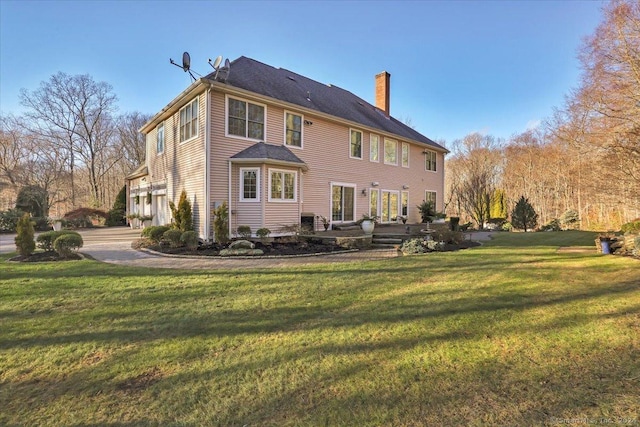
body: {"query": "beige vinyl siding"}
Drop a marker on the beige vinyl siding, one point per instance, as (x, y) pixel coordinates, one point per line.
(245, 212)
(326, 153)
(182, 165)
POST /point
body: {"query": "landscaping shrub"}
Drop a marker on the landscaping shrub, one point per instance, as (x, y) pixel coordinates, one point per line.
(221, 223)
(67, 243)
(636, 246)
(448, 236)
(9, 220)
(45, 240)
(244, 231)
(553, 225)
(570, 220)
(427, 211)
(413, 246)
(84, 217)
(454, 223)
(631, 227)
(182, 215)
(263, 233)
(116, 216)
(155, 232)
(189, 239)
(173, 237)
(24, 240)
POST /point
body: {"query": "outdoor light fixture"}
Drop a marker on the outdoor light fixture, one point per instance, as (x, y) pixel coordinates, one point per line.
(364, 191)
(375, 183)
(405, 187)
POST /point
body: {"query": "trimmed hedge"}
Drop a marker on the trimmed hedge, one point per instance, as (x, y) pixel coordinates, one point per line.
(155, 232)
(45, 240)
(173, 237)
(189, 239)
(66, 244)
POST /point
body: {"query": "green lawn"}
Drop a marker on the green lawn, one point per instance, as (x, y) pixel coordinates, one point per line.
(512, 333)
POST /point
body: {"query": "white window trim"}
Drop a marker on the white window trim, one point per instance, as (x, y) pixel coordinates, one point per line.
(404, 144)
(384, 152)
(226, 119)
(241, 189)
(284, 141)
(164, 138)
(197, 98)
(355, 199)
(371, 136)
(361, 143)
(377, 191)
(436, 160)
(408, 203)
(398, 206)
(295, 186)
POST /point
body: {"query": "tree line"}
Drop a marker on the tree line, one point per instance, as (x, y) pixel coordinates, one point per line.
(584, 159)
(70, 148)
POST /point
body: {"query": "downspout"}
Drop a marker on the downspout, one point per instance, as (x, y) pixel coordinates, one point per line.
(229, 210)
(207, 168)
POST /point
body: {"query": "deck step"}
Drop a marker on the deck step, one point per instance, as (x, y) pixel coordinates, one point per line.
(386, 241)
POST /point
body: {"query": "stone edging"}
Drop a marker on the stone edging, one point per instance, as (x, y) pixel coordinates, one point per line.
(205, 257)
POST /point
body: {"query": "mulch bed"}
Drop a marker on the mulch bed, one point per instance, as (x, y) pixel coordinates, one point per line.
(46, 257)
(273, 249)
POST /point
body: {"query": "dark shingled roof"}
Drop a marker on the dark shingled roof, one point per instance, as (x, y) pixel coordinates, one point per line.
(285, 85)
(264, 151)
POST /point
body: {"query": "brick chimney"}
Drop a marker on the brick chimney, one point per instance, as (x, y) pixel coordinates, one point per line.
(383, 83)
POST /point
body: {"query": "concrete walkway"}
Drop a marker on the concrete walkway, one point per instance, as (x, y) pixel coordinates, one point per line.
(113, 245)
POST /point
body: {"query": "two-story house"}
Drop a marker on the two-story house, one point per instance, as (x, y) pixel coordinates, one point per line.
(282, 149)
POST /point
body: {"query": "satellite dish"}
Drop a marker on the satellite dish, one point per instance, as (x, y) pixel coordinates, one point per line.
(222, 74)
(217, 62)
(186, 61)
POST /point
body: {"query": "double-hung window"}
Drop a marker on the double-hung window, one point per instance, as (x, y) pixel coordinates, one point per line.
(293, 129)
(355, 145)
(245, 119)
(160, 138)
(430, 196)
(374, 146)
(189, 121)
(390, 151)
(405, 155)
(282, 185)
(430, 160)
(249, 184)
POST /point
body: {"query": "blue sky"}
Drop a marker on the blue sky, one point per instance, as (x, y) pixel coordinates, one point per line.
(456, 67)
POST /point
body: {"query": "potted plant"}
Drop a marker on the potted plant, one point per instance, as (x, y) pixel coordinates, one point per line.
(325, 222)
(401, 218)
(56, 223)
(136, 199)
(145, 220)
(427, 211)
(368, 223)
(134, 220)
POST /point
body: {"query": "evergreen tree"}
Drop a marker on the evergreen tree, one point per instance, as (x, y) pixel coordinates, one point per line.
(117, 212)
(498, 205)
(182, 215)
(24, 240)
(524, 216)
